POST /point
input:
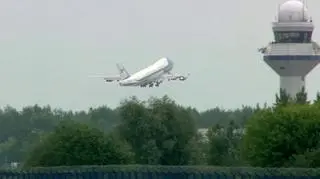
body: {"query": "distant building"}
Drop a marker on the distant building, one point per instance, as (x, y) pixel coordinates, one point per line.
(12, 165)
(203, 132)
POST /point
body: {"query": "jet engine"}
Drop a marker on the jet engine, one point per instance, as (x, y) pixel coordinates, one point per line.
(182, 78)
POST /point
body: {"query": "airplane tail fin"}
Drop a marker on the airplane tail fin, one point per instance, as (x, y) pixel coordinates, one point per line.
(123, 72)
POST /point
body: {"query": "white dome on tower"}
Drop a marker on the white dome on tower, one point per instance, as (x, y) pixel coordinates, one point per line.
(293, 11)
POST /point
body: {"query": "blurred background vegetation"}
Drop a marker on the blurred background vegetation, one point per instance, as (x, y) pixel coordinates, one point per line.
(160, 131)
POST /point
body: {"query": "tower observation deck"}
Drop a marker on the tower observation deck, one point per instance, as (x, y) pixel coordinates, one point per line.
(292, 54)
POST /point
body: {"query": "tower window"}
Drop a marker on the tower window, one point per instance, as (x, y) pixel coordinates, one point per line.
(293, 37)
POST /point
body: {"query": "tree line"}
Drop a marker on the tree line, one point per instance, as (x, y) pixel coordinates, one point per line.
(159, 131)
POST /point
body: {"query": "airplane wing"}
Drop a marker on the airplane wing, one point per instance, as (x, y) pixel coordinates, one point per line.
(108, 78)
(176, 77)
(123, 74)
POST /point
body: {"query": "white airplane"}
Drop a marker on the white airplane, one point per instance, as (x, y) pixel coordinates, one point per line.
(151, 76)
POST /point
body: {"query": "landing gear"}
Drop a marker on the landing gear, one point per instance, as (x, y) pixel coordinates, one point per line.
(150, 85)
(157, 83)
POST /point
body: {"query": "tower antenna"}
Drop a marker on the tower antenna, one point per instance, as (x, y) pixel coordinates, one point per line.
(306, 4)
(278, 12)
(303, 7)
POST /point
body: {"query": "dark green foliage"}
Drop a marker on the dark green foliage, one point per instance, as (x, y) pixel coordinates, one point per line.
(74, 143)
(159, 131)
(220, 116)
(309, 159)
(152, 172)
(103, 118)
(224, 145)
(19, 130)
(218, 146)
(274, 136)
(317, 101)
(301, 97)
(283, 99)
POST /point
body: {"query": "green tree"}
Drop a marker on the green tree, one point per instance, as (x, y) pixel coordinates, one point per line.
(103, 118)
(178, 130)
(309, 159)
(198, 148)
(24, 127)
(317, 100)
(224, 145)
(159, 131)
(139, 129)
(283, 99)
(211, 117)
(74, 143)
(218, 146)
(273, 136)
(301, 97)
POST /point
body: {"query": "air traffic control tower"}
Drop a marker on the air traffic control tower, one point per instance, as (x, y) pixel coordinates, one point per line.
(293, 54)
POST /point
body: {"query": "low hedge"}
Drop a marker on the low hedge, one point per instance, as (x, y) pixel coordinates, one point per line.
(165, 170)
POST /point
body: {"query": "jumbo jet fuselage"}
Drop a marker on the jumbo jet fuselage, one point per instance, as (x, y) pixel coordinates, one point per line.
(151, 76)
(148, 75)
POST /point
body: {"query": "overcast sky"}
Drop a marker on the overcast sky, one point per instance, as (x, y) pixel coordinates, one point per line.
(49, 48)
